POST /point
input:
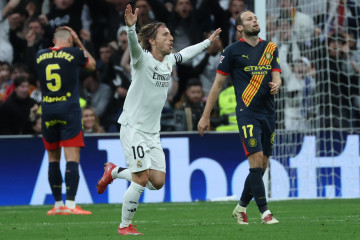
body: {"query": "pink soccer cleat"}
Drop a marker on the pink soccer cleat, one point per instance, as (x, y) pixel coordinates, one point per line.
(129, 230)
(74, 211)
(106, 178)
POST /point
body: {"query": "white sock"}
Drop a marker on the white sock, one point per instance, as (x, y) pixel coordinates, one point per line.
(150, 186)
(124, 174)
(265, 214)
(59, 204)
(70, 204)
(130, 203)
(240, 208)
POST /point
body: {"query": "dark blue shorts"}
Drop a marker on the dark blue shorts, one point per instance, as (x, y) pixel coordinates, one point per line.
(61, 126)
(257, 133)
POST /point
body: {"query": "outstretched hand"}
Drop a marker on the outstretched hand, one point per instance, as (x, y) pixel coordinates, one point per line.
(215, 35)
(130, 18)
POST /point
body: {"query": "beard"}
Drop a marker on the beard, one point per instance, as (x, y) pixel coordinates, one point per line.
(252, 33)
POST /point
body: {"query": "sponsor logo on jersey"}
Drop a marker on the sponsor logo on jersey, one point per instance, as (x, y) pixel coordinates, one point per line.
(258, 70)
(245, 56)
(55, 122)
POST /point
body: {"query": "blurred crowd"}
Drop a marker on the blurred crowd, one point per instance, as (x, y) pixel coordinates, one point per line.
(319, 58)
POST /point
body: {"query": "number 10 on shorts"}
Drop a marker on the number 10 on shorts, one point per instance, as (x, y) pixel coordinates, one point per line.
(138, 152)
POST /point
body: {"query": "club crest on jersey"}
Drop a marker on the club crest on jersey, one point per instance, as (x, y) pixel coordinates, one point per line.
(268, 55)
(221, 58)
(139, 164)
(252, 142)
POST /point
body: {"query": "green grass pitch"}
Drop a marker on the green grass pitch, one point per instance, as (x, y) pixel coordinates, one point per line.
(299, 219)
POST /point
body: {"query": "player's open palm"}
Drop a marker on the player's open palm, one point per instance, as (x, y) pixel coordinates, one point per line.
(215, 35)
(130, 18)
(204, 124)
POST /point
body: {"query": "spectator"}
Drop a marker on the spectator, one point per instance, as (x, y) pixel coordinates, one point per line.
(105, 67)
(91, 121)
(64, 13)
(18, 69)
(120, 84)
(96, 93)
(5, 80)
(205, 64)
(299, 85)
(144, 15)
(225, 19)
(186, 25)
(6, 49)
(191, 104)
(289, 49)
(333, 83)
(36, 39)
(303, 24)
(17, 22)
(15, 111)
(227, 113)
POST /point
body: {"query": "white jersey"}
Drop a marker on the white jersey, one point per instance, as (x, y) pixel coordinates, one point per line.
(150, 82)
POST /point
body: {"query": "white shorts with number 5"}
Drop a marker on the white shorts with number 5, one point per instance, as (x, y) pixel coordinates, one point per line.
(142, 150)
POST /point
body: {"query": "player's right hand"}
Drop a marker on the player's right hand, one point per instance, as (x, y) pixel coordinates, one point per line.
(74, 36)
(130, 18)
(204, 124)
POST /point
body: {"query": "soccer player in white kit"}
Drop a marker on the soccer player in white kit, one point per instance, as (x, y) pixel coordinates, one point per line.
(151, 66)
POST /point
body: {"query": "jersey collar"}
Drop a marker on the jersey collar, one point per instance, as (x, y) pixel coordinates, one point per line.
(55, 49)
(242, 39)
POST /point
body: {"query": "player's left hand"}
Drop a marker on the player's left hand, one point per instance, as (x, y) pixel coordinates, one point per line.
(274, 87)
(215, 35)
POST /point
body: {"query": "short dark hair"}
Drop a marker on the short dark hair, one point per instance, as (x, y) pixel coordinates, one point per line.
(148, 32)
(19, 80)
(5, 63)
(193, 82)
(21, 66)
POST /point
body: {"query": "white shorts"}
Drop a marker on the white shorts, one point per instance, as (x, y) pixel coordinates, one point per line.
(142, 150)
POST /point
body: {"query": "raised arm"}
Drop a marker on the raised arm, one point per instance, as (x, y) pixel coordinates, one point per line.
(193, 50)
(204, 123)
(130, 20)
(92, 63)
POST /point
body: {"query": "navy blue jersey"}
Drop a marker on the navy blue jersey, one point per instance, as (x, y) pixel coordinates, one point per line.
(58, 73)
(250, 69)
